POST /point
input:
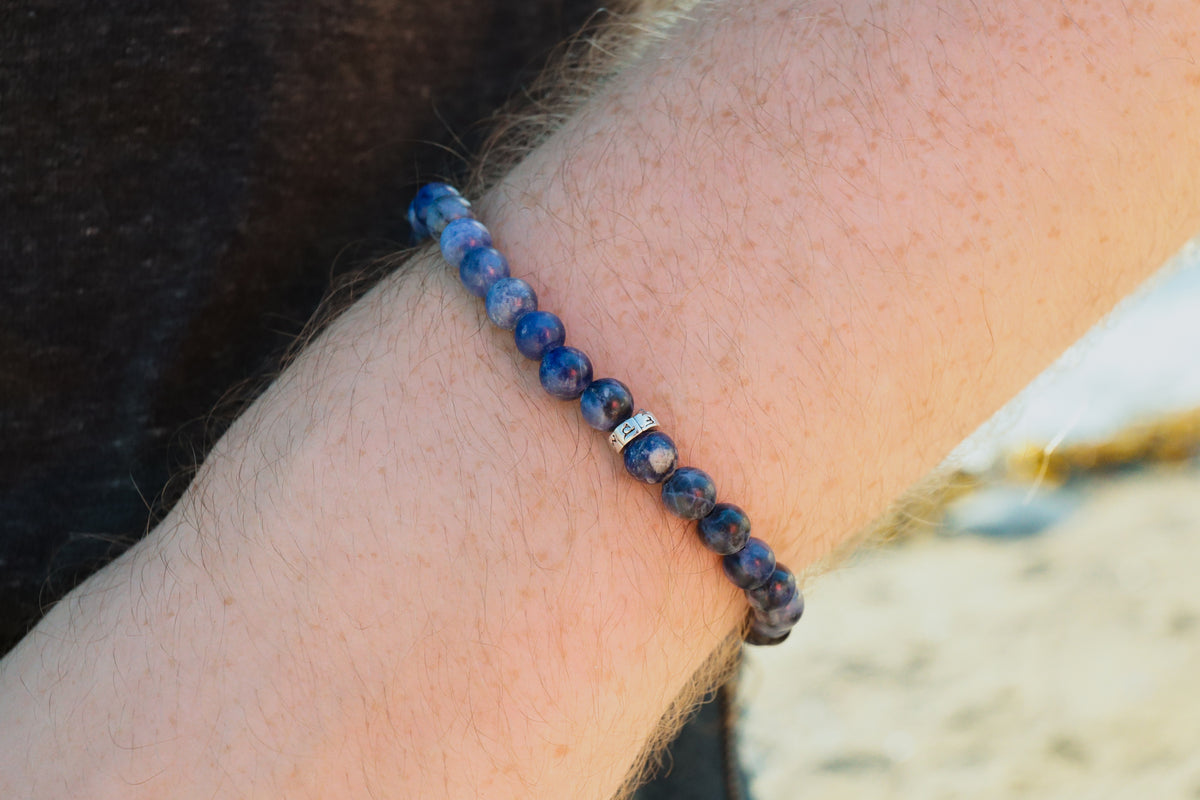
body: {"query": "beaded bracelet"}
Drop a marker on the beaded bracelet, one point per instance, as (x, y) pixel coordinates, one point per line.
(607, 405)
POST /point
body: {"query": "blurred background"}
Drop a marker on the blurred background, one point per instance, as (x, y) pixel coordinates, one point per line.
(1030, 626)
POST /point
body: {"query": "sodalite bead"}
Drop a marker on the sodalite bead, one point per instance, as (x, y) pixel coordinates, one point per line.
(651, 457)
(725, 529)
(462, 235)
(444, 211)
(538, 332)
(605, 404)
(780, 619)
(481, 268)
(689, 493)
(776, 592)
(565, 372)
(762, 634)
(751, 566)
(508, 300)
(421, 202)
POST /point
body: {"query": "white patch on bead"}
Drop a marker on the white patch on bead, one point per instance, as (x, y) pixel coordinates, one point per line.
(661, 459)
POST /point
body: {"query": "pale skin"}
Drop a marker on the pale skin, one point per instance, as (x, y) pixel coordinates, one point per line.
(821, 241)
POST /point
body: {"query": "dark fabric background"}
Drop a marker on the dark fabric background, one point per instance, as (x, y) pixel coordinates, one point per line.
(179, 183)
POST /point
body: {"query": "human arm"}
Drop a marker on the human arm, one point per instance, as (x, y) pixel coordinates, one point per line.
(821, 242)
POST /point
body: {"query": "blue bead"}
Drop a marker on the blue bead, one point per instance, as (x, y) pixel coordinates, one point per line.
(508, 300)
(651, 457)
(444, 211)
(462, 235)
(421, 202)
(565, 372)
(751, 566)
(781, 618)
(481, 268)
(419, 231)
(725, 530)
(538, 332)
(689, 493)
(762, 634)
(606, 403)
(430, 192)
(776, 592)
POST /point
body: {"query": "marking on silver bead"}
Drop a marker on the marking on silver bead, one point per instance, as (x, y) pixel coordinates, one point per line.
(632, 428)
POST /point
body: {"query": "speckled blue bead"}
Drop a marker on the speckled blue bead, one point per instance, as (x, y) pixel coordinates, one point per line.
(537, 333)
(651, 457)
(481, 268)
(565, 372)
(751, 566)
(605, 404)
(761, 634)
(725, 529)
(776, 592)
(780, 618)
(689, 493)
(419, 206)
(508, 300)
(444, 211)
(462, 235)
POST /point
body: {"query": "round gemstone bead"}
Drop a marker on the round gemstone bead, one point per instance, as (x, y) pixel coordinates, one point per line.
(565, 372)
(751, 566)
(651, 457)
(481, 268)
(725, 529)
(782, 617)
(462, 235)
(606, 403)
(508, 300)
(537, 333)
(421, 202)
(762, 634)
(776, 592)
(444, 211)
(689, 493)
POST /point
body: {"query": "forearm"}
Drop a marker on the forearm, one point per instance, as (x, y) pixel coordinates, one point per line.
(408, 570)
(869, 235)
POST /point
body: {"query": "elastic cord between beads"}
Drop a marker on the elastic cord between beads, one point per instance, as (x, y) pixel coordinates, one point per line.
(776, 603)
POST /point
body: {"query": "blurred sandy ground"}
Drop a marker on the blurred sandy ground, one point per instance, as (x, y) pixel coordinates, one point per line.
(1061, 665)
(1042, 639)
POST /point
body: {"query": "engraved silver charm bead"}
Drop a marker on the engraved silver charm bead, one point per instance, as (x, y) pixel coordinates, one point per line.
(632, 428)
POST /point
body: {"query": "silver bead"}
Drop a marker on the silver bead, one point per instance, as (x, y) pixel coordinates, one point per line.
(631, 428)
